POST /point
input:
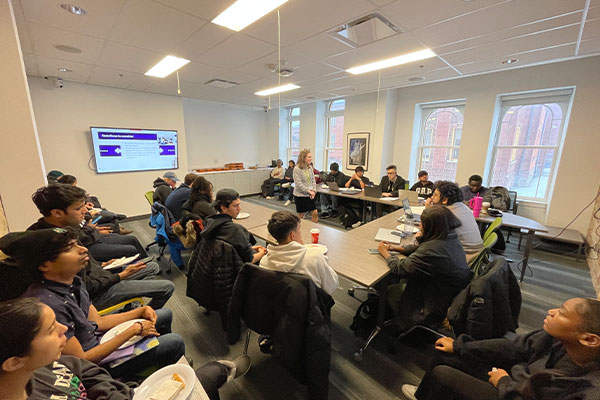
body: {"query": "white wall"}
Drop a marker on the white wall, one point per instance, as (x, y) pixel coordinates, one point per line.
(217, 135)
(64, 117)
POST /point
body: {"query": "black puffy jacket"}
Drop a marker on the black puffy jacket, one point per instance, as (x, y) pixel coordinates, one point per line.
(489, 307)
(297, 315)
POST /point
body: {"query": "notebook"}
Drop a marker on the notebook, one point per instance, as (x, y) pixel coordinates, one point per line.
(386, 235)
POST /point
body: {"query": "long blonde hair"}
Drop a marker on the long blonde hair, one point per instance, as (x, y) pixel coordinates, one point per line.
(301, 157)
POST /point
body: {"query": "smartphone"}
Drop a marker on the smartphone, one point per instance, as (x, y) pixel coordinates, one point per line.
(398, 233)
(143, 260)
(98, 218)
(373, 251)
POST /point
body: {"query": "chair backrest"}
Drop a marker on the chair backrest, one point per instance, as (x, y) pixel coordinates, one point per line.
(512, 195)
(149, 196)
(492, 228)
(483, 257)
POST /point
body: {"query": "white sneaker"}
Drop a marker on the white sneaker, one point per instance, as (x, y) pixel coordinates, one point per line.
(268, 197)
(287, 203)
(409, 391)
(286, 185)
(356, 224)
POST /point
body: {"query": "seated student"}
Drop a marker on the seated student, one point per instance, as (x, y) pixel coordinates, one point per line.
(559, 361)
(424, 187)
(354, 208)
(275, 177)
(179, 196)
(57, 261)
(31, 342)
(290, 254)
(199, 203)
(329, 203)
(64, 205)
(448, 194)
(53, 176)
(473, 188)
(390, 184)
(436, 270)
(164, 186)
(288, 179)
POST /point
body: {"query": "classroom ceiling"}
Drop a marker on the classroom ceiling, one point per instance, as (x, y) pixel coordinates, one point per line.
(121, 39)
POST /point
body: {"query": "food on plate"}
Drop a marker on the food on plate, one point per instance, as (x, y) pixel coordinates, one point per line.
(168, 389)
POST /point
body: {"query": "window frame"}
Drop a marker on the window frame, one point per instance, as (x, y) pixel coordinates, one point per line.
(426, 111)
(291, 119)
(330, 115)
(563, 98)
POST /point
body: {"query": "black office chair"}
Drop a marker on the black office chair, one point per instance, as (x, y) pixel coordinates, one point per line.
(514, 204)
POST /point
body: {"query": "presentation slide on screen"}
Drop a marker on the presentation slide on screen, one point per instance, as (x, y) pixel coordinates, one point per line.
(119, 150)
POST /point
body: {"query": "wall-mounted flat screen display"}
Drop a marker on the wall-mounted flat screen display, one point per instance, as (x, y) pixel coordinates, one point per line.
(125, 150)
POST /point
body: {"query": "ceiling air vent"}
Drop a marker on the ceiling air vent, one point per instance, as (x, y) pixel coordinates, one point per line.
(365, 30)
(220, 83)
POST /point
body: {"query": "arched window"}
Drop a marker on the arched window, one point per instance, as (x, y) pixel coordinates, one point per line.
(334, 147)
(441, 130)
(293, 133)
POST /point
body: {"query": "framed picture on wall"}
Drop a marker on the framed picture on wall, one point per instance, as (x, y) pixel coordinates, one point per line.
(358, 150)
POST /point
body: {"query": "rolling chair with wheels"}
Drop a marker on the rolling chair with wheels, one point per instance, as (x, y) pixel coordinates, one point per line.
(149, 195)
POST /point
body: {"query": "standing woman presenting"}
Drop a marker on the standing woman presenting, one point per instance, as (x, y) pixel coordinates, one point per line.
(306, 188)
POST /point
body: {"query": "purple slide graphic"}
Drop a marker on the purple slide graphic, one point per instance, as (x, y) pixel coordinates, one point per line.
(167, 150)
(110, 151)
(126, 136)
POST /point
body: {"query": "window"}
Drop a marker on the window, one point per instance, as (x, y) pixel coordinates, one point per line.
(294, 134)
(441, 130)
(527, 141)
(335, 132)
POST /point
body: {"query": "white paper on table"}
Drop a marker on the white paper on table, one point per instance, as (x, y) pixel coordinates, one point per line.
(389, 198)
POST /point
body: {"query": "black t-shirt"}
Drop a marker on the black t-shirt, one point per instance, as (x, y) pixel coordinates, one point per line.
(423, 189)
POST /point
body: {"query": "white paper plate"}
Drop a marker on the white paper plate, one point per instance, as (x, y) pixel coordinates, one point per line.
(153, 382)
(320, 247)
(242, 215)
(401, 228)
(119, 329)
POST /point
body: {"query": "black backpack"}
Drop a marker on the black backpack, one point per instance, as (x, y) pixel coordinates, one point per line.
(365, 319)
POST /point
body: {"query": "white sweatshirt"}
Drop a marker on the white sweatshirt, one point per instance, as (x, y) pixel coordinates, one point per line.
(294, 257)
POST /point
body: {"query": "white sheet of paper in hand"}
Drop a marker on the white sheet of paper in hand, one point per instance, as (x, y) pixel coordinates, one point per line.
(121, 261)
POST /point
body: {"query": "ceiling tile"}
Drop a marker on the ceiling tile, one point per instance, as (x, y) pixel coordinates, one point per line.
(410, 15)
(303, 18)
(45, 38)
(313, 71)
(207, 9)
(320, 46)
(502, 16)
(22, 29)
(238, 77)
(235, 51)
(289, 59)
(492, 37)
(417, 68)
(431, 76)
(49, 67)
(152, 26)
(515, 45)
(118, 56)
(30, 65)
(380, 3)
(97, 22)
(594, 12)
(112, 77)
(591, 29)
(202, 40)
(495, 64)
(198, 72)
(143, 82)
(390, 47)
(590, 46)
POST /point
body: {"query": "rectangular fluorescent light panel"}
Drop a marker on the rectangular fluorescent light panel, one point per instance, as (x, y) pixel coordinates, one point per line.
(167, 66)
(392, 62)
(278, 89)
(244, 12)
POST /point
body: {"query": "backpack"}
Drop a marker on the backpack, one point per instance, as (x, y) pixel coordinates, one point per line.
(365, 319)
(498, 197)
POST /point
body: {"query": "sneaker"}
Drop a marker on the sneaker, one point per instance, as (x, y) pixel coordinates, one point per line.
(324, 215)
(409, 391)
(287, 203)
(237, 367)
(334, 214)
(268, 197)
(124, 231)
(356, 224)
(286, 185)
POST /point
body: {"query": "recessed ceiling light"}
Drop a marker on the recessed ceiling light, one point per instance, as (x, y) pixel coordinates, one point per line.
(510, 61)
(244, 12)
(278, 89)
(416, 78)
(392, 62)
(73, 9)
(64, 69)
(67, 48)
(166, 66)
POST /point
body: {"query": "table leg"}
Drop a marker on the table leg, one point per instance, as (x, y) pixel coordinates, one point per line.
(364, 219)
(528, 247)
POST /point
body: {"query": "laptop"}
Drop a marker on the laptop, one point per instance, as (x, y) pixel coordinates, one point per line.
(373, 191)
(412, 196)
(333, 186)
(410, 215)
